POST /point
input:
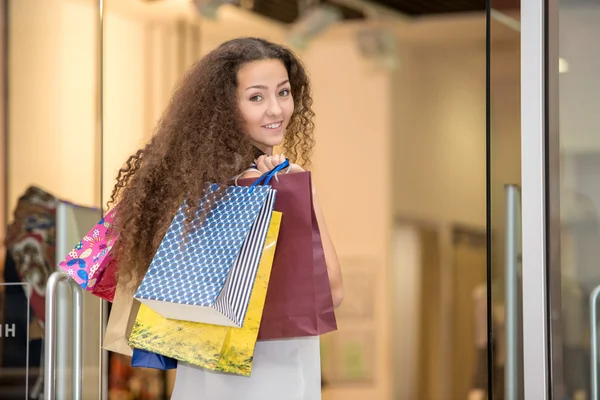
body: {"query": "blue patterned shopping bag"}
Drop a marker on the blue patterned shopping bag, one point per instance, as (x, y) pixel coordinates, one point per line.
(209, 277)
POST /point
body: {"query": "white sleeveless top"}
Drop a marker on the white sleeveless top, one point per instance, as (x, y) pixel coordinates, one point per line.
(286, 369)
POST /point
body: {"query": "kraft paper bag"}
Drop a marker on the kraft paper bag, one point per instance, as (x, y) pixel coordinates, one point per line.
(120, 322)
(36, 331)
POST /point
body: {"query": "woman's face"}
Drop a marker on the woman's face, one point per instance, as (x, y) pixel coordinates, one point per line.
(265, 101)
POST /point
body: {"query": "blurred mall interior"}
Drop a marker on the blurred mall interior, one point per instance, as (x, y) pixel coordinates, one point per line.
(419, 135)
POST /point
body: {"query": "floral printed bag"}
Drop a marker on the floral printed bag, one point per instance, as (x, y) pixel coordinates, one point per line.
(86, 262)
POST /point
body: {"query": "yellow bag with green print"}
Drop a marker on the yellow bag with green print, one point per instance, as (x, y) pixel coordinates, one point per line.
(214, 347)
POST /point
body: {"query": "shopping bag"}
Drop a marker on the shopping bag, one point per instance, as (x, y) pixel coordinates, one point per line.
(202, 277)
(106, 281)
(86, 262)
(147, 359)
(213, 347)
(120, 322)
(299, 301)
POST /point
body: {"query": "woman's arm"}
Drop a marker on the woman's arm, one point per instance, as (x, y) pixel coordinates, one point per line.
(331, 258)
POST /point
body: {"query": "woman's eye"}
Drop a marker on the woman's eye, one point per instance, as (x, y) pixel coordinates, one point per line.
(284, 93)
(256, 97)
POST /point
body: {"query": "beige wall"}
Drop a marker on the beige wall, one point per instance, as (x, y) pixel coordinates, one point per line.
(125, 93)
(439, 133)
(52, 100)
(353, 175)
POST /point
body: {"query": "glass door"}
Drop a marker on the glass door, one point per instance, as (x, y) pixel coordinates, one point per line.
(501, 352)
(561, 155)
(50, 100)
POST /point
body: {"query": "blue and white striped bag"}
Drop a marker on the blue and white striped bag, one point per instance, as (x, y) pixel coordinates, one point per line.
(209, 277)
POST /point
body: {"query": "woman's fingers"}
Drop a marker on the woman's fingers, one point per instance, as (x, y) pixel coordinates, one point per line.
(260, 164)
(267, 163)
(270, 162)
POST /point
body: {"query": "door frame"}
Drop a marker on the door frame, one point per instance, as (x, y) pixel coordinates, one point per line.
(540, 199)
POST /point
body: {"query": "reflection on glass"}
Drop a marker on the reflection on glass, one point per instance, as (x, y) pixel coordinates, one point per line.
(503, 348)
(579, 93)
(469, 314)
(20, 340)
(417, 274)
(52, 155)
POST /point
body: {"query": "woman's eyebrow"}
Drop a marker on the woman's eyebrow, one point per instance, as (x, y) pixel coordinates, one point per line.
(265, 87)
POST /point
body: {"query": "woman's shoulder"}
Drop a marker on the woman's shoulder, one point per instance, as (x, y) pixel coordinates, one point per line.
(251, 172)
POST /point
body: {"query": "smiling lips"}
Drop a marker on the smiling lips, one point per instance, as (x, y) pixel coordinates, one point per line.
(274, 126)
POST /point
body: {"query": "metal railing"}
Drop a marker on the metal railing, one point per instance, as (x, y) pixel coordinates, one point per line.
(50, 336)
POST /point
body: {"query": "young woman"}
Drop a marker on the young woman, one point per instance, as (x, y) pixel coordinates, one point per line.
(229, 112)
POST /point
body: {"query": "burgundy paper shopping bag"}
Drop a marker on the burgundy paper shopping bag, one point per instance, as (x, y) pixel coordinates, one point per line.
(299, 301)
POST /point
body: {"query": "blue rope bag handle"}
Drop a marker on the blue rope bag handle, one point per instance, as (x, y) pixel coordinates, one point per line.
(265, 178)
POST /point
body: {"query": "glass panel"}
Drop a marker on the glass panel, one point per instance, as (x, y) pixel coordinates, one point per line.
(469, 331)
(439, 243)
(20, 341)
(147, 48)
(52, 158)
(576, 63)
(417, 267)
(501, 353)
(439, 181)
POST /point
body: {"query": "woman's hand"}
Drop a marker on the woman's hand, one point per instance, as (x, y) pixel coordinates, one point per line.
(267, 163)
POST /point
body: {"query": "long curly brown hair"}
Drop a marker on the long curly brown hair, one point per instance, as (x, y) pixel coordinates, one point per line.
(198, 140)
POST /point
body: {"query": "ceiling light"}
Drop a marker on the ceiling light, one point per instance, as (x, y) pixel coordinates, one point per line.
(314, 21)
(563, 66)
(208, 8)
(379, 45)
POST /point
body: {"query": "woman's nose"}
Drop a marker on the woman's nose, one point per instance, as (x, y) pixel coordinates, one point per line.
(274, 109)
